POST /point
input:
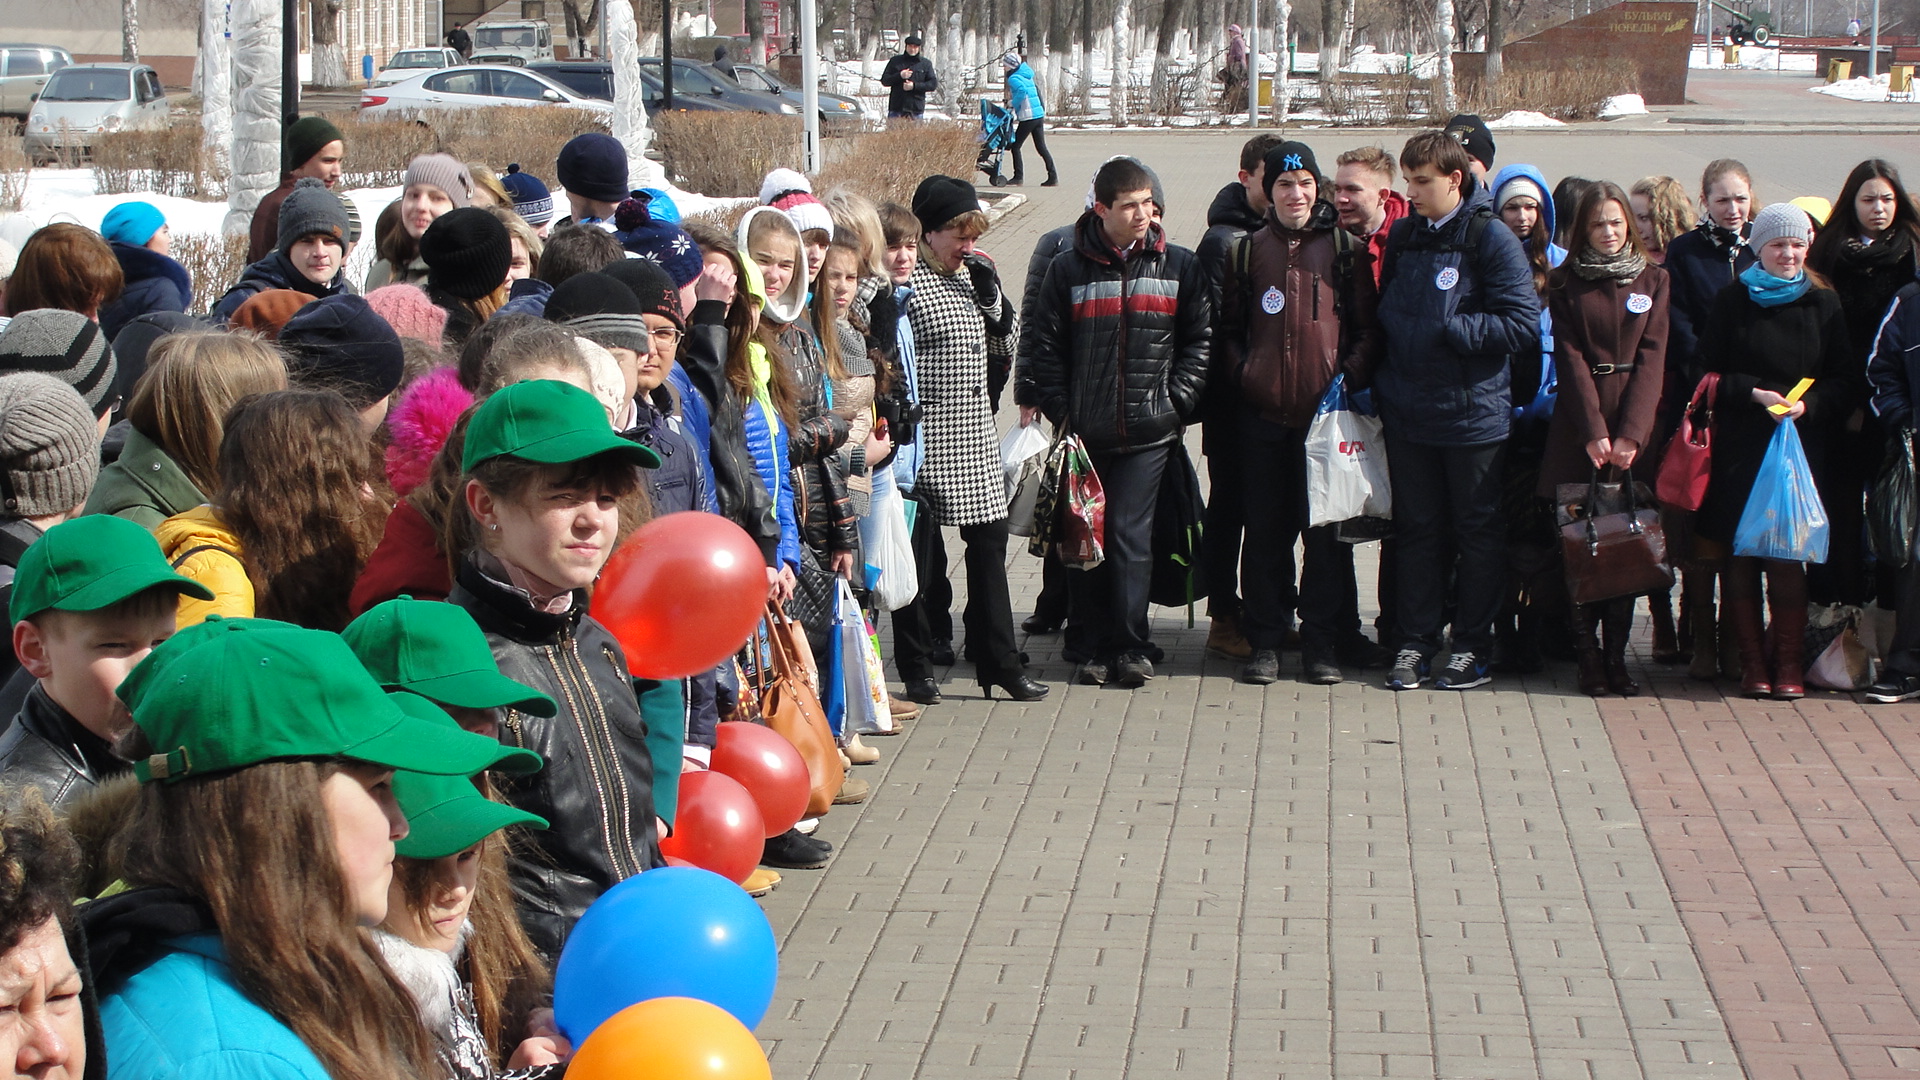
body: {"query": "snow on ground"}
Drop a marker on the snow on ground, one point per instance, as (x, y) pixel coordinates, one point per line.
(1754, 58)
(1526, 118)
(1623, 105)
(1860, 89)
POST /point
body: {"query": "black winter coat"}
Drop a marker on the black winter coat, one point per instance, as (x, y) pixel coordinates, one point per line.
(275, 271)
(1228, 219)
(822, 505)
(1894, 366)
(908, 102)
(597, 787)
(1051, 244)
(1699, 264)
(46, 747)
(154, 283)
(1451, 324)
(1866, 277)
(741, 494)
(678, 483)
(1121, 342)
(1754, 347)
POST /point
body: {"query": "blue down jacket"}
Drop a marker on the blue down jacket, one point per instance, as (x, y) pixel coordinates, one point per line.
(1532, 413)
(154, 283)
(1453, 321)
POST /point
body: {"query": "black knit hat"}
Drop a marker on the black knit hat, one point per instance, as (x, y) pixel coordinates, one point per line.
(306, 137)
(593, 166)
(467, 252)
(66, 345)
(1470, 131)
(1287, 157)
(601, 309)
(651, 285)
(312, 209)
(940, 199)
(342, 344)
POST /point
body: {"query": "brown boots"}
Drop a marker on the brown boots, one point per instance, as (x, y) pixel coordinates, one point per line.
(1789, 632)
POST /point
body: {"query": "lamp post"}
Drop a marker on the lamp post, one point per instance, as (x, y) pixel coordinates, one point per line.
(290, 62)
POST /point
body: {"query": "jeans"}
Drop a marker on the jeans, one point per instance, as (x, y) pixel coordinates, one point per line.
(1273, 472)
(1109, 602)
(1038, 130)
(1446, 517)
(989, 616)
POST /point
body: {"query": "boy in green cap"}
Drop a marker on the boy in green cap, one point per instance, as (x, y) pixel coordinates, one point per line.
(91, 598)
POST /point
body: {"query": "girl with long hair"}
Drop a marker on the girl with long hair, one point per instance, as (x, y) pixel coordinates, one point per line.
(468, 253)
(1609, 305)
(434, 184)
(1661, 214)
(257, 850)
(297, 512)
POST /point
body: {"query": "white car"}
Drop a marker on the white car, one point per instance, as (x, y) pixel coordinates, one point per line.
(85, 100)
(475, 86)
(407, 63)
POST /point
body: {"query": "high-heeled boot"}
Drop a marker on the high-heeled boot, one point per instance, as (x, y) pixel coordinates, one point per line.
(1789, 643)
(1616, 622)
(1666, 643)
(1697, 597)
(1592, 676)
(1742, 617)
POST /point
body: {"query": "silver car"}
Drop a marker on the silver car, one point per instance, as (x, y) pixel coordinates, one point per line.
(474, 86)
(85, 100)
(407, 63)
(23, 71)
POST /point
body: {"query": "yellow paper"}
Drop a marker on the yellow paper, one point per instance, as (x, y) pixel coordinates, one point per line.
(1793, 395)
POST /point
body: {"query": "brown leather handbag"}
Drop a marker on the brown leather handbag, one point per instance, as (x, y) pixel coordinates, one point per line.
(1611, 542)
(789, 706)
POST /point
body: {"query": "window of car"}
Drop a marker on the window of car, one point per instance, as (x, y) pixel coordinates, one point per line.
(417, 58)
(458, 82)
(586, 82)
(687, 78)
(146, 86)
(753, 80)
(25, 62)
(515, 84)
(88, 84)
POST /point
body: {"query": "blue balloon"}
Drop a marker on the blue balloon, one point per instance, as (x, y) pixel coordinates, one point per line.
(673, 932)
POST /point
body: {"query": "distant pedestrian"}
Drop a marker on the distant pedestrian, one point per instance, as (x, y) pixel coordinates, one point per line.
(908, 77)
(1029, 114)
(460, 41)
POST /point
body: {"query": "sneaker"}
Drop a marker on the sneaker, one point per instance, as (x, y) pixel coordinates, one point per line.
(1093, 673)
(1409, 670)
(1263, 669)
(1321, 669)
(792, 851)
(1894, 687)
(1132, 671)
(1464, 671)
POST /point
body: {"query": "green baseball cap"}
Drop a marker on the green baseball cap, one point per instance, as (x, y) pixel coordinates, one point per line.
(436, 650)
(447, 815)
(552, 423)
(89, 563)
(513, 760)
(149, 671)
(230, 699)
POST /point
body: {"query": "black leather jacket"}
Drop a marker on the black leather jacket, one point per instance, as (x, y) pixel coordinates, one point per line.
(47, 747)
(597, 787)
(821, 502)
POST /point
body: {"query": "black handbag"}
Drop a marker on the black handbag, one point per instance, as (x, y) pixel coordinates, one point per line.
(1611, 541)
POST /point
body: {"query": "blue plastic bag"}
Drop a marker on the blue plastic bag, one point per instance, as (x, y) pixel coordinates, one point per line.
(1784, 518)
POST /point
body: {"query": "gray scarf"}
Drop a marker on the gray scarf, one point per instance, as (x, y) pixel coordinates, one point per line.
(1623, 266)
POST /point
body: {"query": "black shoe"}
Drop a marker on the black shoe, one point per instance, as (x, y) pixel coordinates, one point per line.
(1360, 651)
(1018, 687)
(793, 851)
(1263, 669)
(923, 691)
(1016, 181)
(1409, 670)
(942, 654)
(1320, 669)
(1040, 624)
(1894, 687)
(1093, 673)
(1051, 181)
(1132, 671)
(1464, 671)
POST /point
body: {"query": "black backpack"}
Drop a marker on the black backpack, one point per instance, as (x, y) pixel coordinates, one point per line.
(1478, 220)
(1178, 521)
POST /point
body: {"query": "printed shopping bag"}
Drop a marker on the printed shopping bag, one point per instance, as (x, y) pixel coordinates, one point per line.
(1346, 462)
(1083, 519)
(1784, 518)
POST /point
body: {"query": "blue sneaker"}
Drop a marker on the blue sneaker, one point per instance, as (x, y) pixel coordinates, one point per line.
(1409, 670)
(1464, 671)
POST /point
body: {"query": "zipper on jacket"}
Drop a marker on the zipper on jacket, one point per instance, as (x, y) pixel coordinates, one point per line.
(603, 757)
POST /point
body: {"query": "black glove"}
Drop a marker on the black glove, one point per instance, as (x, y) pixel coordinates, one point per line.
(986, 283)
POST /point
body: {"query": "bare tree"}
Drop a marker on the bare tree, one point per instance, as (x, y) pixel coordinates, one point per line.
(1122, 56)
(329, 57)
(581, 24)
(1171, 14)
(1443, 31)
(130, 30)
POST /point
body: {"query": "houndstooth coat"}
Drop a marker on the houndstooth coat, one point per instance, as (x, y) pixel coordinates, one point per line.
(957, 360)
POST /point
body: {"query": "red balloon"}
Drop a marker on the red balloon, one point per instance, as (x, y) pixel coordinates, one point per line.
(675, 860)
(682, 594)
(769, 767)
(717, 826)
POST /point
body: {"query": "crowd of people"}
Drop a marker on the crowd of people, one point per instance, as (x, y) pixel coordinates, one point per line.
(305, 699)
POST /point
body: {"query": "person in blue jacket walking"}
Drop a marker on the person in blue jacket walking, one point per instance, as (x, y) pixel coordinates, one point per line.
(1029, 115)
(1457, 307)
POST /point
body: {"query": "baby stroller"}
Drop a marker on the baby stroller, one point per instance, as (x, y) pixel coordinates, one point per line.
(996, 138)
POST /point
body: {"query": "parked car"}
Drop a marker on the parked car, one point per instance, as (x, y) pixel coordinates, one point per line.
(835, 111)
(594, 78)
(407, 63)
(529, 39)
(24, 70)
(84, 100)
(703, 80)
(474, 86)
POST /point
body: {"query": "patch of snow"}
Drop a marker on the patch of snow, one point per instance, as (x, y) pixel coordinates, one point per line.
(1525, 118)
(1623, 105)
(1753, 58)
(1859, 89)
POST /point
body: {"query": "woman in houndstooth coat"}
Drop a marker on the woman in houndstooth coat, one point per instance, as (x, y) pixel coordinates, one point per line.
(963, 329)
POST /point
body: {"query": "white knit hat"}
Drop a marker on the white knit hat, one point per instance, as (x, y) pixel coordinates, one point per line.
(1778, 220)
(790, 193)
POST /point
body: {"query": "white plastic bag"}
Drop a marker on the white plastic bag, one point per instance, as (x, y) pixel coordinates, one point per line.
(888, 547)
(1021, 451)
(1346, 462)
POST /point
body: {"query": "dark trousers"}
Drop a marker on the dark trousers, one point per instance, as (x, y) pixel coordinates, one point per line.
(1446, 502)
(989, 616)
(1051, 604)
(1226, 518)
(1903, 654)
(1109, 602)
(1038, 130)
(1273, 474)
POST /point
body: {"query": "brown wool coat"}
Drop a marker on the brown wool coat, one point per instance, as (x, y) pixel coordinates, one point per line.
(1594, 326)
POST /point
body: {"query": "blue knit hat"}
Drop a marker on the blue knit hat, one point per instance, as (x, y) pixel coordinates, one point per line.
(657, 239)
(132, 223)
(340, 343)
(531, 199)
(594, 166)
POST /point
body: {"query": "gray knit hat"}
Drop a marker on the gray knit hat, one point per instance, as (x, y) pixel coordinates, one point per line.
(49, 446)
(1780, 219)
(443, 171)
(67, 345)
(312, 209)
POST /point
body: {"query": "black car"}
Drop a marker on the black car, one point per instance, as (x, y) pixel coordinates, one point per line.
(837, 112)
(594, 79)
(695, 79)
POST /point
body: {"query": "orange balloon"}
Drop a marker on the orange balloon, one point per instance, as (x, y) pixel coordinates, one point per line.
(671, 1038)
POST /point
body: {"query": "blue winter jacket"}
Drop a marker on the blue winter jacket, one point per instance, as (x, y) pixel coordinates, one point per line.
(1023, 97)
(908, 458)
(154, 282)
(1535, 413)
(1698, 264)
(1452, 322)
(769, 450)
(183, 1017)
(528, 296)
(1894, 366)
(696, 425)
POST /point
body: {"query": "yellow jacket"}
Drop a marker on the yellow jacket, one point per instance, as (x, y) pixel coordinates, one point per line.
(199, 546)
